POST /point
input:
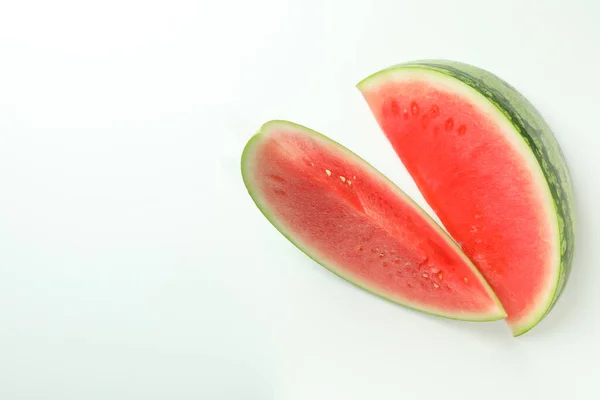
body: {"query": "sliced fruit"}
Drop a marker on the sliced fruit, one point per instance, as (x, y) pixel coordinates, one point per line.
(491, 169)
(349, 218)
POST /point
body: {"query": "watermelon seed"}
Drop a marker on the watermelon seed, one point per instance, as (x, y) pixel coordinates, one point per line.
(414, 108)
(435, 110)
(396, 260)
(435, 285)
(409, 285)
(425, 275)
(440, 276)
(405, 113)
(449, 124)
(466, 280)
(462, 130)
(328, 172)
(277, 178)
(361, 249)
(279, 192)
(349, 183)
(308, 162)
(343, 179)
(381, 255)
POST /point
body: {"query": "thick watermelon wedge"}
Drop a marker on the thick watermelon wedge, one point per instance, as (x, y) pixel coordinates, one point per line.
(491, 169)
(349, 218)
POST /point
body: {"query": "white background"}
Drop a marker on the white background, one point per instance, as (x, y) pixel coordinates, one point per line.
(134, 265)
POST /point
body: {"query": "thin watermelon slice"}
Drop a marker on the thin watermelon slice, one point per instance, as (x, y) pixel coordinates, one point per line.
(352, 220)
(491, 169)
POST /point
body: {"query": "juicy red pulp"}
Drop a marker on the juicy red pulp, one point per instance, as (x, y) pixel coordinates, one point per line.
(476, 181)
(330, 203)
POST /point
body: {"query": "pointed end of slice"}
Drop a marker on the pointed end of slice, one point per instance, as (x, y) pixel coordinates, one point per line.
(361, 85)
(519, 328)
(246, 159)
(365, 82)
(497, 312)
(522, 328)
(378, 77)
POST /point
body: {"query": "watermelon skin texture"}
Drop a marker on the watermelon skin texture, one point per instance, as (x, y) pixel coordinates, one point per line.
(540, 139)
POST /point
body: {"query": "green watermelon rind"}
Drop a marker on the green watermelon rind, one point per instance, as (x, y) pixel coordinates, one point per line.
(537, 136)
(246, 167)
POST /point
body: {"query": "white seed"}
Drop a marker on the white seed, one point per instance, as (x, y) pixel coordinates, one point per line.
(328, 172)
(435, 285)
(349, 183)
(425, 275)
(441, 276)
(466, 280)
(343, 179)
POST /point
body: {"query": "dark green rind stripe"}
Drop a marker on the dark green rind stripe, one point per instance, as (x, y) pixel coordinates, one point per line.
(541, 140)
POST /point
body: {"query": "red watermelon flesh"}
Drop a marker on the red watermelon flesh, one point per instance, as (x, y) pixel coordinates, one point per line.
(481, 181)
(352, 220)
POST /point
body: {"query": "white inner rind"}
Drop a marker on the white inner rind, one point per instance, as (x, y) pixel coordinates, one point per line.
(248, 160)
(453, 85)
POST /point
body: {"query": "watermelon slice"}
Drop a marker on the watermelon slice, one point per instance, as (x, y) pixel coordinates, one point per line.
(352, 220)
(491, 169)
